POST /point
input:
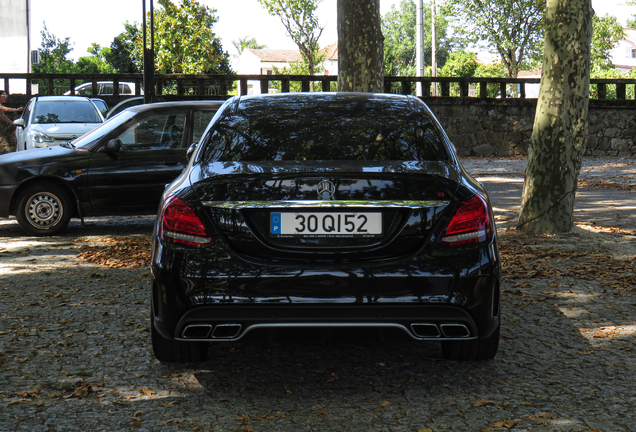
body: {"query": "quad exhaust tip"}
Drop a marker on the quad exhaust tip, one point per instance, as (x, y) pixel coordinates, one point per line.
(226, 331)
(209, 331)
(231, 331)
(197, 331)
(431, 330)
(454, 330)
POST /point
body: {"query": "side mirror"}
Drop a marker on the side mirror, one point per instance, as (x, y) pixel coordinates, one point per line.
(19, 122)
(191, 150)
(111, 146)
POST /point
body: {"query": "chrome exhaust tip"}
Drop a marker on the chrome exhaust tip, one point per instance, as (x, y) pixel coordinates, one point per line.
(196, 331)
(425, 330)
(226, 331)
(455, 331)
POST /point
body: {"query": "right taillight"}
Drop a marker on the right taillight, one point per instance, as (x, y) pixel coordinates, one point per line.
(181, 225)
(470, 224)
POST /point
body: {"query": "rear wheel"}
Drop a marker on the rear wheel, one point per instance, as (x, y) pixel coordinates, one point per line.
(477, 349)
(43, 209)
(174, 351)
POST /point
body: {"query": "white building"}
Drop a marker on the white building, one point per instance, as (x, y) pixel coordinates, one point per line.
(15, 17)
(623, 55)
(263, 61)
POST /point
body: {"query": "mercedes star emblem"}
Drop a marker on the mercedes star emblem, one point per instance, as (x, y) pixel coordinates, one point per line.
(326, 189)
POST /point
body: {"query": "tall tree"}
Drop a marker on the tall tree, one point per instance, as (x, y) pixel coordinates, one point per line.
(560, 128)
(399, 30)
(185, 41)
(511, 28)
(96, 62)
(53, 52)
(246, 43)
(360, 46)
(301, 22)
(126, 51)
(460, 64)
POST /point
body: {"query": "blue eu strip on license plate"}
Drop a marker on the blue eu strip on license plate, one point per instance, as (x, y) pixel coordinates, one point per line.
(275, 223)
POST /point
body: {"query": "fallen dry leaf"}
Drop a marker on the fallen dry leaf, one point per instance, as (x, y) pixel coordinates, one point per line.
(539, 257)
(117, 252)
(484, 402)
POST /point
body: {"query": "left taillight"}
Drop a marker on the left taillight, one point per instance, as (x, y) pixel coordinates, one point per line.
(180, 225)
(469, 225)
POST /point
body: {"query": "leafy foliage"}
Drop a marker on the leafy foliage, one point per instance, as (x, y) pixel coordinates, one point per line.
(399, 30)
(465, 64)
(607, 31)
(96, 62)
(185, 42)
(300, 21)
(126, 50)
(460, 64)
(53, 52)
(246, 43)
(299, 68)
(53, 59)
(490, 70)
(512, 28)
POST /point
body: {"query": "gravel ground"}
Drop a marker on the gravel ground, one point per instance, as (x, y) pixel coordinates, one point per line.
(75, 356)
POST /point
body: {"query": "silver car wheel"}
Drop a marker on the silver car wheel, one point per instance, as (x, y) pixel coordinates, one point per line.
(44, 210)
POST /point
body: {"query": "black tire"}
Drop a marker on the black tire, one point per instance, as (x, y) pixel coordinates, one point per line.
(44, 209)
(174, 351)
(477, 349)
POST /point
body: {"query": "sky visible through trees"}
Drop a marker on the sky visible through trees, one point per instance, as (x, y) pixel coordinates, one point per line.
(237, 19)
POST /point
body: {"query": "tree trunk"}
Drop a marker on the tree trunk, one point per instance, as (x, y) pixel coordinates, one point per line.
(560, 128)
(360, 46)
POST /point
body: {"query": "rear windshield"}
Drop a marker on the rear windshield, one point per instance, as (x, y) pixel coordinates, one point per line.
(65, 112)
(341, 131)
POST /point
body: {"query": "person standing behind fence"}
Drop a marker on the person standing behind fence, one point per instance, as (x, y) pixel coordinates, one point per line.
(3, 109)
(5, 144)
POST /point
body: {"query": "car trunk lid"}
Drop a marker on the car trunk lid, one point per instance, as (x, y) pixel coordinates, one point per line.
(342, 210)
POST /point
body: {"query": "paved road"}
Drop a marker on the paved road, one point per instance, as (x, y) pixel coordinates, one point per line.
(74, 355)
(604, 207)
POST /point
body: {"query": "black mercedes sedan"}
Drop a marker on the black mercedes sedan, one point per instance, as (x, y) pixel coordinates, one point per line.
(119, 168)
(325, 210)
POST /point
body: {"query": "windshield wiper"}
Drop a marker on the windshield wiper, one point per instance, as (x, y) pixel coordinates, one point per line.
(68, 144)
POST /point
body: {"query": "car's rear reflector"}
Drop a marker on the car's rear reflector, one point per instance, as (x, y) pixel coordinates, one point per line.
(181, 225)
(469, 225)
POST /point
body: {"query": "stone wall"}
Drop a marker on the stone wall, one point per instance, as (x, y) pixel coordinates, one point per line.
(479, 127)
(504, 128)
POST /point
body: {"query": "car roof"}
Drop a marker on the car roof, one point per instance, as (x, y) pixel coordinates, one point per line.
(165, 105)
(328, 95)
(107, 82)
(61, 98)
(331, 97)
(316, 99)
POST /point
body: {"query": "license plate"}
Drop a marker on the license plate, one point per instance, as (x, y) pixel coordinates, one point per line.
(328, 225)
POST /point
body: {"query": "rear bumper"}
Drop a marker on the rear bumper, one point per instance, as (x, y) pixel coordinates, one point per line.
(448, 308)
(222, 323)
(436, 287)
